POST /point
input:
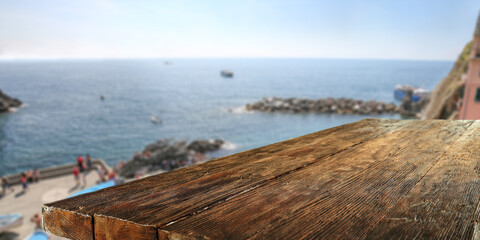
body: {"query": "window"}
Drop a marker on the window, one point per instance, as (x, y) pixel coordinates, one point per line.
(477, 96)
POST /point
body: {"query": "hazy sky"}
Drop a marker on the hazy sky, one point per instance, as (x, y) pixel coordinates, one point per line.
(387, 29)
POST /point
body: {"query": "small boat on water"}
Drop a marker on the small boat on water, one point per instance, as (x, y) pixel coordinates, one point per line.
(155, 120)
(10, 221)
(226, 73)
(417, 93)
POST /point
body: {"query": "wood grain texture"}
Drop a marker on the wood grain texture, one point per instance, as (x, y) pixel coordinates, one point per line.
(68, 224)
(450, 191)
(375, 178)
(107, 227)
(360, 186)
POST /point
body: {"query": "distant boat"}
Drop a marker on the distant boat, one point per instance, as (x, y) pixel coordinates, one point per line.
(226, 73)
(102, 97)
(418, 93)
(10, 221)
(155, 120)
(168, 63)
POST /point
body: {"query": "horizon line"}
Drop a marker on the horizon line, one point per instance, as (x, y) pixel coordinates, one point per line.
(180, 58)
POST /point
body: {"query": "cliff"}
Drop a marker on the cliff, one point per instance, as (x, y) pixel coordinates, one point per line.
(7, 102)
(444, 98)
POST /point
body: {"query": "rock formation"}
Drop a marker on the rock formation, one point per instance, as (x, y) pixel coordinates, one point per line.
(7, 102)
(329, 105)
(168, 155)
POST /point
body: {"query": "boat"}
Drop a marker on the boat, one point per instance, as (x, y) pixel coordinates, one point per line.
(38, 235)
(155, 120)
(417, 93)
(10, 221)
(226, 73)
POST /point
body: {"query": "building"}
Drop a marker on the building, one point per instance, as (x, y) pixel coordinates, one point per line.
(471, 97)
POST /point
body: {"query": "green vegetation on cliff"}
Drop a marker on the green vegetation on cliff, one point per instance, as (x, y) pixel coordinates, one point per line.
(444, 98)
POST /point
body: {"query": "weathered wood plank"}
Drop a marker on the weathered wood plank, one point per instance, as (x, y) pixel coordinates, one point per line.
(107, 227)
(215, 181)
(444, 204)
(342, 197)
(360, 180)
(67, 224)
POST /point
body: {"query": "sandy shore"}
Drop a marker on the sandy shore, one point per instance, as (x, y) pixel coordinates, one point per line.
(28, 204)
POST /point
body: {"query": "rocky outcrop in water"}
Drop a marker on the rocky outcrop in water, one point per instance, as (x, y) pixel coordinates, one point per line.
(329, 105)
(168, 155)
(7, 102)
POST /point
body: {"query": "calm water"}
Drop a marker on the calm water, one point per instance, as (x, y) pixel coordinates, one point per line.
(64, 116)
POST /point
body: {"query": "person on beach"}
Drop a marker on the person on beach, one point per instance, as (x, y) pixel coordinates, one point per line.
(147, 154)
(23, 180)
(112, 176)
(5, 185)
(89, 162)
(37, 220)
(76, 175)
(82, 166)
(29, 176)
(80, 163)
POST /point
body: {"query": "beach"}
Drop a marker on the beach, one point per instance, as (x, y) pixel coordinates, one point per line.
(30, 203)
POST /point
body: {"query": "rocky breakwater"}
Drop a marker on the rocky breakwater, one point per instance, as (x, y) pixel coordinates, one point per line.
(168, 155)
(7, 102)
(328, 105)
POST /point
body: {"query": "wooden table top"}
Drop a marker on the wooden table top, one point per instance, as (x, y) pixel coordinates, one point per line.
(375, 179)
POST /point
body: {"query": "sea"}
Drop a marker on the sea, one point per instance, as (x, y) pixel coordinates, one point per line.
(63, 115)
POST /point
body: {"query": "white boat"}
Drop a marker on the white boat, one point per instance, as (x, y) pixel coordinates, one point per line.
(226, 73)
(417, 93)
(10, 221)
(155, 120)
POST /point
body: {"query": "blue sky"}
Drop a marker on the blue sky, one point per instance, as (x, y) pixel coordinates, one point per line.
(370, 29)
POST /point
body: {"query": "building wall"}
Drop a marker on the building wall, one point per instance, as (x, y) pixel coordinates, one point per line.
(475, 47)
(470, 107)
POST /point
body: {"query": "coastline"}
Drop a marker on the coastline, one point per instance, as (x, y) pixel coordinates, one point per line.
(30, 202)
(61, 122)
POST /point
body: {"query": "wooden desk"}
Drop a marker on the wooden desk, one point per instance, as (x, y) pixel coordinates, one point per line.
(375, 179)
